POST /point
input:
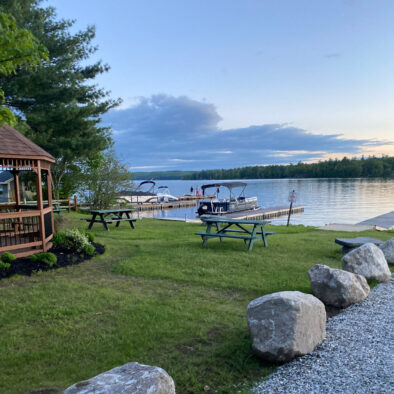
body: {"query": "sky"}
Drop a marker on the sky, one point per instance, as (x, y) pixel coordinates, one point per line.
(228, 83)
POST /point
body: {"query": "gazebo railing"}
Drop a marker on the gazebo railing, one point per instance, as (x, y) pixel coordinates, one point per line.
(25, 232)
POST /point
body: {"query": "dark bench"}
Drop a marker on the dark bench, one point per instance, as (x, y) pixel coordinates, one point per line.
(351, 243)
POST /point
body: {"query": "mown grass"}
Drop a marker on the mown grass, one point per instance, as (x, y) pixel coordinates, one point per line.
(155, 297)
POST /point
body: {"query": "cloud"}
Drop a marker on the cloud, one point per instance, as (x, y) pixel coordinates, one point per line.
(167, 132)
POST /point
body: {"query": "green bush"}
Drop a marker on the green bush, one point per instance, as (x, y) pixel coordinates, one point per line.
(33, 258)
(44, 257)
(59, 238)
(75, 240)
(7, 257)
(4, 266)
(89, 250)
(90, 235)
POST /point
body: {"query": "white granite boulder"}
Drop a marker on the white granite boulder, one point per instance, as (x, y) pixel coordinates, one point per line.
(388, 250)
(130, 378)
(285, 325)
(337, 287)
(369, 261)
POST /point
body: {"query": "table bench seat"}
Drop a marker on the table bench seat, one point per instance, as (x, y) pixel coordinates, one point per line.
(233, 230)
(224, 235)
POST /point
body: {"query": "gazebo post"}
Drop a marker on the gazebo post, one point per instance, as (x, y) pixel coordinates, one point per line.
(50, 202)
(40, 205)
(15, 172)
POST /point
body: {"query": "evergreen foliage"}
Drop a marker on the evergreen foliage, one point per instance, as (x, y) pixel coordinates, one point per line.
(45, 258)
(371, 167)
(60, 106)
(7, 257)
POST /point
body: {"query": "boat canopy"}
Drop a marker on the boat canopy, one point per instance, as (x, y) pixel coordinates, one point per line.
(144, 182)
(138, 188)
(229, 185)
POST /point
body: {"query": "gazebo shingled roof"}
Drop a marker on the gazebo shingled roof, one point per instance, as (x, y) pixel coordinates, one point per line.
(14, 144)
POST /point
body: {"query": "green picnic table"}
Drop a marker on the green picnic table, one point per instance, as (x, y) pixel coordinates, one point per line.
(219, 227)
(107, 216)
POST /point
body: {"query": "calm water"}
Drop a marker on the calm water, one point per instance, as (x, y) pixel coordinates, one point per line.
(325, 200)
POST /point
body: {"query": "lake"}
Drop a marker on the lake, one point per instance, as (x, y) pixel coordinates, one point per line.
(325, 200)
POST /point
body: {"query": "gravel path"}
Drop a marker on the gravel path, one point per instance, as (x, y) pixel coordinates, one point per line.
(357, 355)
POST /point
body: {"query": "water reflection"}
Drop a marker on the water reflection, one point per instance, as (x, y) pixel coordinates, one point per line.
(325, 200)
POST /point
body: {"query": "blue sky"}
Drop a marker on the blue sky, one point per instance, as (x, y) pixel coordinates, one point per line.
(220, 84)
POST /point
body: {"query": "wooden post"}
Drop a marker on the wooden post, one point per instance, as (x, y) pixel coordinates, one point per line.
(292, 198)
(69, 204)
(288, 218)
(17, 188)
(50, 202)
(40, 205)
(76, 203)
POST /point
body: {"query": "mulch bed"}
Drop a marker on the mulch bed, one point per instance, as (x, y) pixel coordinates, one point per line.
(24, 266)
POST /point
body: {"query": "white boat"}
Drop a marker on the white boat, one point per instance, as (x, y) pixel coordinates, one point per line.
(163, 195)
(141, 194)
(218, 206)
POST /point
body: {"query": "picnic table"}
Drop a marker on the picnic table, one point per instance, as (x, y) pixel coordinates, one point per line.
(219, 227)
(107, 216)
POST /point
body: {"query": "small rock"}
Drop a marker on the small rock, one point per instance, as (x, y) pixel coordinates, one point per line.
(388, 250)
(337, 287)
(286, 324)
(369, 261)
(130, 378)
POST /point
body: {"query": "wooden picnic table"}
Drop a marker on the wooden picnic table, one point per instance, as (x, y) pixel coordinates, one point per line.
(219, 227)
(107, 216)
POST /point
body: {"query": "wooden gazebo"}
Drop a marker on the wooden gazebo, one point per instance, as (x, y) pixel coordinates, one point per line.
(25, 228)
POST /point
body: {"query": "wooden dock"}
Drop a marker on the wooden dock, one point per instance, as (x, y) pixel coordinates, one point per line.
(165, 205)
(195, 198)
(265, 213)
(385, 221)
(258, 214)
(183, 202)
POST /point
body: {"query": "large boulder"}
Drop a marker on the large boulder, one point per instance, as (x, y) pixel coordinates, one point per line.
(286, 324)
(130, 378)
(388, 250)
(369, 261)
(337, 287)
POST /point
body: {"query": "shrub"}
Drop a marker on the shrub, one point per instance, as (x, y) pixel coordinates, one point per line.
(33, 258)
(44, 257)
(7, 257)
(90, 235)
(4, 266)
(89, 250)
(59, 238)
(75, 241)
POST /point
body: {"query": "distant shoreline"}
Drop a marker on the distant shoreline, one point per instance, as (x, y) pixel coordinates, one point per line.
(371, 167)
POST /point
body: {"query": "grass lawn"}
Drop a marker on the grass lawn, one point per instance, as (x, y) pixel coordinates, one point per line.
(155, 297)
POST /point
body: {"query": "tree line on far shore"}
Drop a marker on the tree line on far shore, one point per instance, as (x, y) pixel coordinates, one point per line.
(371, 167)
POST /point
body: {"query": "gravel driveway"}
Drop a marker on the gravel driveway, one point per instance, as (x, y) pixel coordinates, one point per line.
(357, 355)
